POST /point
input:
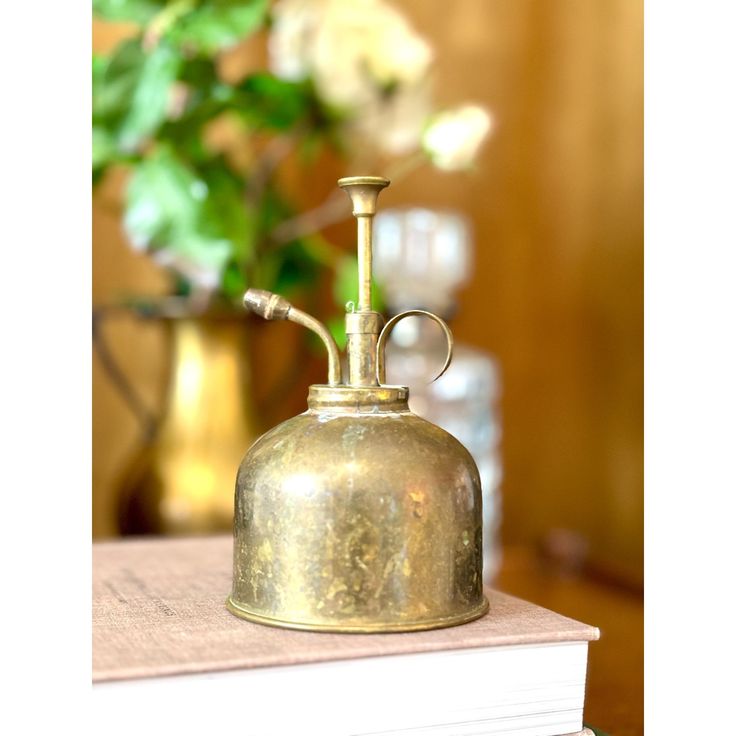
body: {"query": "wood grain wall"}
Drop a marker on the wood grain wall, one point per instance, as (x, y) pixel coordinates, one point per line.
(557, 205)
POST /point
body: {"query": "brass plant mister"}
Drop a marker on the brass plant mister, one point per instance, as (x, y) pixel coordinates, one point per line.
(357, 515)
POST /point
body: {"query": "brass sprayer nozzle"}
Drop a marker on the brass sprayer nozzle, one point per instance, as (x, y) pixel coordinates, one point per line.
(272, 306)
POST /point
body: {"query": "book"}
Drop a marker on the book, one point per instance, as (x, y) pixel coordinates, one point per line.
(160, 630)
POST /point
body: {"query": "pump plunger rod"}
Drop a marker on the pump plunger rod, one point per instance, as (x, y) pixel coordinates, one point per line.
(362, 327)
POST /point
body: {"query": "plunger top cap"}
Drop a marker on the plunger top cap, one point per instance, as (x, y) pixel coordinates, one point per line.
(363, 191)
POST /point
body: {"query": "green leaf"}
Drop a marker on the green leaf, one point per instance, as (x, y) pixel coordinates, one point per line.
(170, 211)
(131, 91)
(234, 283)
(136, 11)
(150, 98)
(272, 103)
(273, 209)
(104, 150)
(200, 74)
(99, 66)
(197, 256)
(162, 196)
(206, 99)
(227, 211)
(114, 80)
(295, 269)
(219, 24)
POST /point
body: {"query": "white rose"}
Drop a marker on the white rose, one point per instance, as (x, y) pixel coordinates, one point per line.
(454, 137)
(294, 22)
(354, 49)
(391, 50)
(395, 123)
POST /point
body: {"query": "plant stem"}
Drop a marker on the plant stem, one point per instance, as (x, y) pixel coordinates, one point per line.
(161, 21)
(334, 209)
(275, 151)
(401, 169)
(337, 207)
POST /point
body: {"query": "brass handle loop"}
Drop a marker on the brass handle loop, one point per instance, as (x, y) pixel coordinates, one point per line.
(386, 331)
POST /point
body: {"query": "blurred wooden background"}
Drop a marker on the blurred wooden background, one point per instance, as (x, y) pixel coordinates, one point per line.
(557, 295)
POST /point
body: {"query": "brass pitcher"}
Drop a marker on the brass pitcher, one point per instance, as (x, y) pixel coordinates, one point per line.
(180, 479)
(357, 515)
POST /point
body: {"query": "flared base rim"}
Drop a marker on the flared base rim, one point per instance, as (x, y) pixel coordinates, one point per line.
(378, 628)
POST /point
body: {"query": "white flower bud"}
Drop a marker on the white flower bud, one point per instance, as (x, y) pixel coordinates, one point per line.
(288, 43)
(395, 124)
(454, 137)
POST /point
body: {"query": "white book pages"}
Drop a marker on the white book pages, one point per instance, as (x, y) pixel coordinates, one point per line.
(529, 690)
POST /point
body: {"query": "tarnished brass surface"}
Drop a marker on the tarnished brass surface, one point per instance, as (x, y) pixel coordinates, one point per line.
(386, 331)
(362, 327)
(181, 482)
(272, 306)
(363, 192)
(357, 516)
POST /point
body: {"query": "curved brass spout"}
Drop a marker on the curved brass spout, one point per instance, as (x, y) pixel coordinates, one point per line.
(272, 306)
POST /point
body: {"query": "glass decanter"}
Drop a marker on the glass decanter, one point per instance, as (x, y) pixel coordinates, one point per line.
(421, 258)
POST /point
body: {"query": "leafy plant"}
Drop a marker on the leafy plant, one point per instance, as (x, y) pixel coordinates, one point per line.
(220, 222)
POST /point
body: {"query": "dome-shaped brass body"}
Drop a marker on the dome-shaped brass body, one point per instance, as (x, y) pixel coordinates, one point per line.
(360, 516)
